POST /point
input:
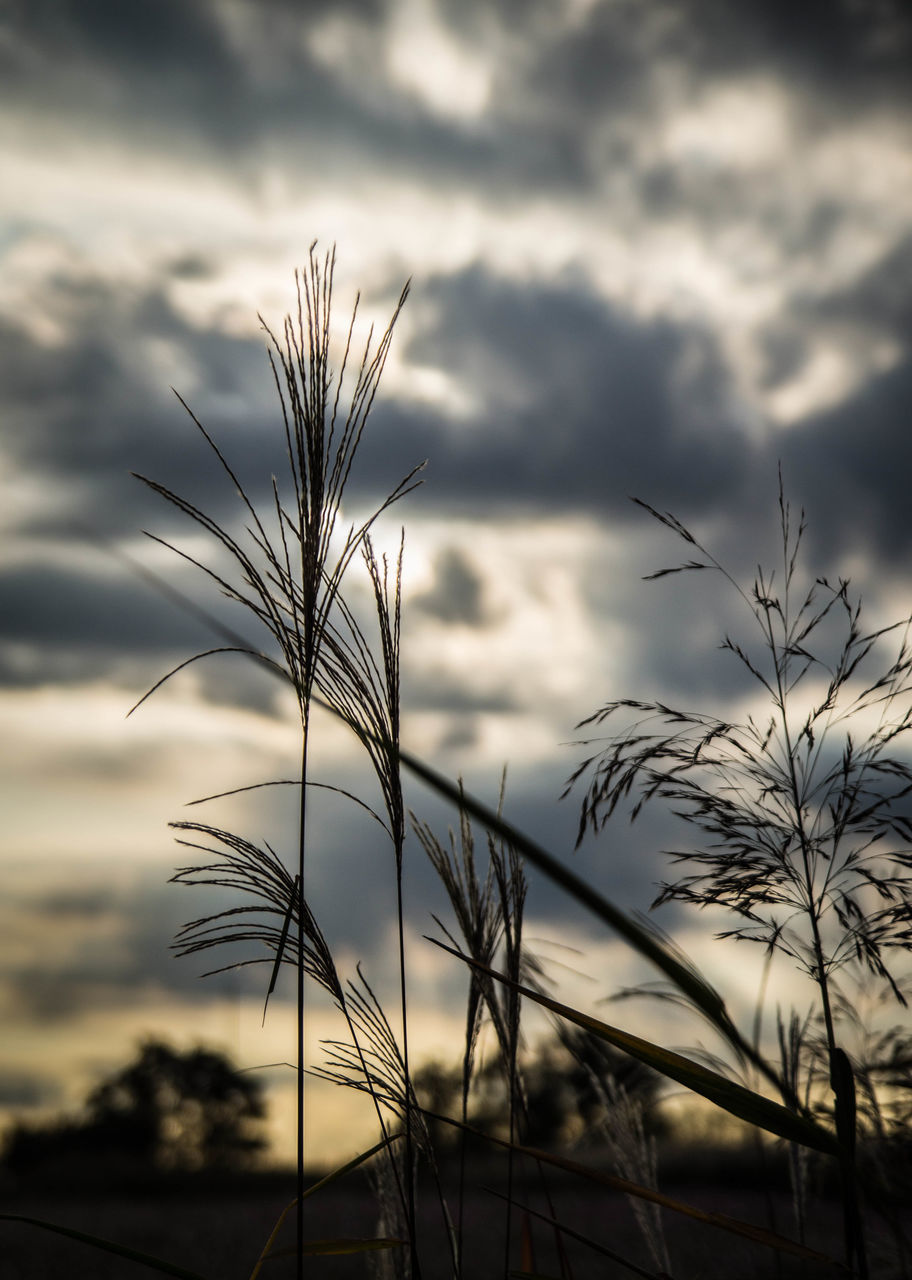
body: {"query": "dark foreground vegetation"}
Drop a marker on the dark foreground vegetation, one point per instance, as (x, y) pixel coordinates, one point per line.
(800, 824)
(216, 1227)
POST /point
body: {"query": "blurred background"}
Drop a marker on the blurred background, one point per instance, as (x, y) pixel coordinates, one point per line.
(655, 250)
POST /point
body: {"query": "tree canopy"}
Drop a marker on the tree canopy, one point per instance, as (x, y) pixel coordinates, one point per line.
(167, 1109)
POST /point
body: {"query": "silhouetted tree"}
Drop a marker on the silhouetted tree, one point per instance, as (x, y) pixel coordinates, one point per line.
(181, 1110)
(167, 1109)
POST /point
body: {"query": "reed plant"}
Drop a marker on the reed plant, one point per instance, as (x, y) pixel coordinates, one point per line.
(803, 842)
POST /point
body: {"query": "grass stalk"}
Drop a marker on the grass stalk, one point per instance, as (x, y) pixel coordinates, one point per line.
(291, 581)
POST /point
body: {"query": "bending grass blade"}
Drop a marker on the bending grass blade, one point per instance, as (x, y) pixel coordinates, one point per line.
(108, 1246)
(727, 1094)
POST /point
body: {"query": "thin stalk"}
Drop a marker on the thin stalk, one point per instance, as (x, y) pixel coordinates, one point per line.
(409, 1137)
(302, 1052)
(840, 1070)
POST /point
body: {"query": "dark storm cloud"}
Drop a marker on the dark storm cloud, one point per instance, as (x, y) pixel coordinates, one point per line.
(193, 266)
(608, 58)
(435, 690)
(622, 64)
(578, 405)
(153, 63)
(849, 50)
(876, 306)
(115, 943)
(76, 418)
(96, 406)
(850, 463)
(42, 603)
(880, 298)
(851, 467)
(457, 594)
(235, 90)
(570, 98)
(619, 62)
(68, 625)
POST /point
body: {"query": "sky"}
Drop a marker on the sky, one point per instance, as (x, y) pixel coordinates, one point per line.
(656, 250)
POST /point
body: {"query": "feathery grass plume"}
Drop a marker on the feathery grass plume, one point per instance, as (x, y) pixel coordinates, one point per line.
(378, 1067)
(480, 925)
(794, 1088)
(806, 838)
(290, 577)
(387, 1179)
(488, 914)
(634, 1154)
(370, 1060)
(261, 876)
(510, 880)
(638, 933)
(273, 898)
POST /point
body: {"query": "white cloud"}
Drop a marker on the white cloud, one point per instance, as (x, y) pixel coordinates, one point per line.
(744, 124)
(428, 60)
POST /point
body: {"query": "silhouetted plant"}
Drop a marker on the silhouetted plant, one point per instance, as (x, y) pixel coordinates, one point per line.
(290, 581)
(805, 836)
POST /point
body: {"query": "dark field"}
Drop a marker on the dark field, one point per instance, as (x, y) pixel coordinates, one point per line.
(220, 1233)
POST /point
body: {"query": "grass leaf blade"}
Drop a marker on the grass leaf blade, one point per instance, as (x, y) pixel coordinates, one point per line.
(283, 938)
(727, 1094)
(109, 1246)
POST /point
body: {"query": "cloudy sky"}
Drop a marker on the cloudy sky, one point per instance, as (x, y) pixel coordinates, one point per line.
(655, 249)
